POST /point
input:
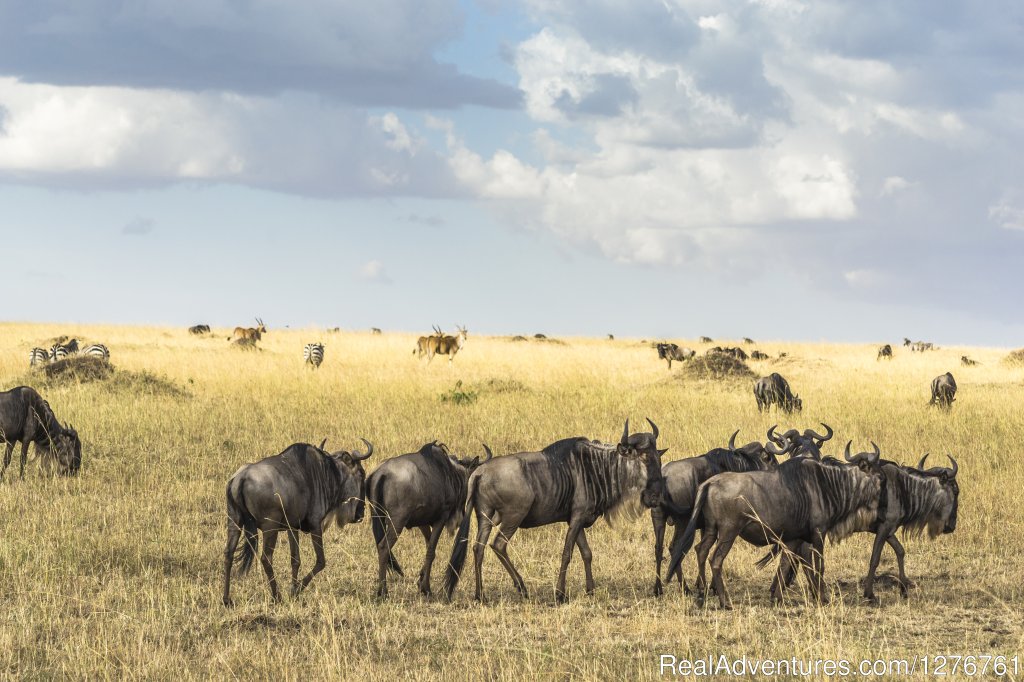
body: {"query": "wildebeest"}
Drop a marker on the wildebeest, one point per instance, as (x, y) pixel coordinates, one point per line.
(803, 500)
(671, 351)
(611, 337)
(38, 356)
(748, 340)
(26, 418)
(684, 476)
(446, 345)
(574, 480)
(943, 391)
(97, 350)
(540, 337)
(706, 339)
(303, 488)
(244, 344)
(774, 389)
(199, 329)
(885, 352)
(313, 355)
(758, 355)
(967, 362)
(251, 333)
(425, 490)
(806, 444)
(737, 353)
(375, 331)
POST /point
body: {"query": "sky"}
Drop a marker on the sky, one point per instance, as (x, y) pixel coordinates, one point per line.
(780, 169)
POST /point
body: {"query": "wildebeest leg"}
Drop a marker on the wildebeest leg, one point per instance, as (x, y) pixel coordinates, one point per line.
(679, 571)
(428, 561)
(234, 532)
(321, 561)
(267, 561)
(876, 554)
(483, 531)
(717, 559)
(24, 458)
(570, 540)
(7, 459)
(816, 572)
(897, 547)
(500, 546)
(293, 548)
(587, 556)
(658, 519)
(787, 570)
(391, 532)
(707, 540)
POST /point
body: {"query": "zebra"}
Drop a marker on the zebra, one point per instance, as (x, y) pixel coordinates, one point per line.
(97, 350)
(313, 354)
(38, 356)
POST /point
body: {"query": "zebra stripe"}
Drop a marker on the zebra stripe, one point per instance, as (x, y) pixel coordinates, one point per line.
(97, 350)
(313, 354)
(38, 356)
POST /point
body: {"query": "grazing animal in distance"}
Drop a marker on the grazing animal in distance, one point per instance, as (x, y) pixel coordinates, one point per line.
(773, 389)
(967, 362)
(375, 331)
(735, 352)
(884, 352)
(706, 339)
(575, 480)
(251, 333)
(313, 354)
(447, 345)
(684, 476)
(671, 351)
(199, 329)
(97, 350)
(26, 418)
(943, 391)
(803, 500)
(244, 344)
(302, 489)
(540, 336)
(611, 337)
(38, 356)
(748, 340)
(425, 490)
(758, 355)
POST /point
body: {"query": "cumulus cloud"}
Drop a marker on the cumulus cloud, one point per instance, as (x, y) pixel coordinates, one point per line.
(373, 271)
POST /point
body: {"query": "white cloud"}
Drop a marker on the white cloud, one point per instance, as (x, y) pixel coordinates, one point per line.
(373, 271)
(1007, 213)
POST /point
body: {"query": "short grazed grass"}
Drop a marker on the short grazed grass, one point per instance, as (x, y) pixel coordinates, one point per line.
(116, 573)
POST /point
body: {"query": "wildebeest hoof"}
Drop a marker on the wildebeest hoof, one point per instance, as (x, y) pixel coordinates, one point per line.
(425, 590)
(296, 588)
(229, 602)
(561, 598)
(658, 590)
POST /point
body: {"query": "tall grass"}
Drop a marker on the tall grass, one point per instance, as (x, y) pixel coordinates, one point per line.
(116, 573)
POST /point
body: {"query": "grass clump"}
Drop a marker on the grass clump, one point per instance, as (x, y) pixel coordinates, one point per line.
(77, 369)
(717, 367)
(1015, 357)
(460, 396)
(86, 369)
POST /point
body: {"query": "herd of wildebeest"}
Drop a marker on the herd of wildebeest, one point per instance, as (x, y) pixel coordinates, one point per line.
(748, 491)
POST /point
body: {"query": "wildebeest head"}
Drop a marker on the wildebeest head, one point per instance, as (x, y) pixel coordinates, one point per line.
(951, 489)
(766, 453)
(471, 463)
(806, 444)
(353, 483)
(66, 450)
(868, 462)
(644, 447)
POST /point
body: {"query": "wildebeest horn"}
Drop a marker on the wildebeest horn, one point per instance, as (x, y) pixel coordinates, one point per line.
(625, 434)
(732, 439)
(775, 450)
(818, 436)
(878, 452)
(654, 428)
(323, 443)
(369, 451)
(846, 453)
(920, 465)
(955, 467)
(772, 437)
(489, 453)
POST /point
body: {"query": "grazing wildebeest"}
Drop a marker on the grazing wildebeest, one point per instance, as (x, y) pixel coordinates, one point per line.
(574, 480)
(943, 391)
(375, 331)
(611, 337)
(758, 355)
(803, 500)
(303, 488)
(706, 339)
(684, 476)
(424, 343)
(671, 351)
(26, 418)
(737, 353)
(885, 352)
(38, 356)
(447, 345)
(774, 389)
(313, 355)
(967, 362)
(806, 444)
(199, 329)
(425, 490)
(748, 340)
(540, 336)
(251, 333)
(906, 341)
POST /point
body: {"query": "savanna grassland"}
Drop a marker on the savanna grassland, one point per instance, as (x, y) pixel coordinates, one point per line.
(117, 573)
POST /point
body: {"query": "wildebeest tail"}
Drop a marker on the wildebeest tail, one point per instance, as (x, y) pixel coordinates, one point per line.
(238, 514)
(682, 544)
(461, 548)
(377, 517)
(775, 551)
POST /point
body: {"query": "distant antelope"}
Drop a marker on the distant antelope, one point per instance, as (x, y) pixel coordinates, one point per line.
(424, 343)
(447, 345)
(313, 354)
(249, 333)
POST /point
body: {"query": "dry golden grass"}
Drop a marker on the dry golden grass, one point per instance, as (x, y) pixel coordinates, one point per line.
(116, 573)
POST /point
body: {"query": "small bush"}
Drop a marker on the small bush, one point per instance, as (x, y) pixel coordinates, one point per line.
(77, 369)
(717, 367)
(458, 396)
(85, 369)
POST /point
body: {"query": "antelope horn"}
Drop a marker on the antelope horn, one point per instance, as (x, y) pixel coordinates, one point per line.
(654, 427)
(920, 465)
(955, 467)
(489, 453)
(846, 453)
(820, 438)
(369, 451)
(625, 434)
(732, 439)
